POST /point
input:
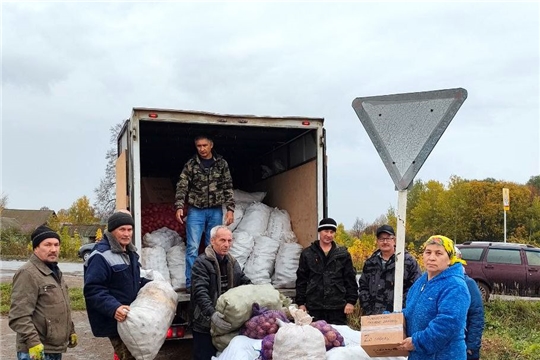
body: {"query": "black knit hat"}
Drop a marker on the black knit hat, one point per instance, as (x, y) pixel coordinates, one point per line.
(41, 233)
(327, 224)
(118, 219)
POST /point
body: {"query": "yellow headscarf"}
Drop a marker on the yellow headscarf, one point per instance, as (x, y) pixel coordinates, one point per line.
(448, 245)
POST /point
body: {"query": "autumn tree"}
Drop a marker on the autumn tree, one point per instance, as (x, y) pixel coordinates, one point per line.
(79, 213)
(106, 191)
(342, 237)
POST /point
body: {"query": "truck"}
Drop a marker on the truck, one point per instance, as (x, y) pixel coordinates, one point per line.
(284, 156)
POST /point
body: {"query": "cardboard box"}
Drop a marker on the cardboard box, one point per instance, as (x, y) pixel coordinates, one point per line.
(381, 334)
(157, 190)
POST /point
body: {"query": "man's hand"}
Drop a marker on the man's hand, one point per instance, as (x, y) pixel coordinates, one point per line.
(349, 308)
(229, 217)
(217, 319)
(179, 215)
(73, 341)
(121, 313)
(37, 352)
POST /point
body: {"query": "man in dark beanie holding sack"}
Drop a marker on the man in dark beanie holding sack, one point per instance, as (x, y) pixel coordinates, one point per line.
(326, 279)
(112, 279)
(40, 311)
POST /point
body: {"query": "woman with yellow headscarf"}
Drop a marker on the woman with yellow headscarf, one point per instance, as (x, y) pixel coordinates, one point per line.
(437, 304)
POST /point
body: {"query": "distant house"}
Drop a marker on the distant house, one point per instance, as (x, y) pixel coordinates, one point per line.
(86, 232)
(26, 221)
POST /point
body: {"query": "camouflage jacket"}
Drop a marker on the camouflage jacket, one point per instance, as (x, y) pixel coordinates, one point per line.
(376, 285)
(205, 188)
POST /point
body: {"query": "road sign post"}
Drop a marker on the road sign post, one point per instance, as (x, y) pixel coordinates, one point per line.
(506, 207)
(404, 128)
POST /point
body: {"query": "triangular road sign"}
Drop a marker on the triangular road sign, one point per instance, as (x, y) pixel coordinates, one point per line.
(406, 127)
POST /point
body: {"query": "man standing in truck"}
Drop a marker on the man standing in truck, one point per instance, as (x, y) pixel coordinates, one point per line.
(376, 284)
(326, 279)
(214, 272)
(207, 185)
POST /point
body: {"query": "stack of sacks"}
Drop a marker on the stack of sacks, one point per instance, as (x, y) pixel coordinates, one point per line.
(164, 251)
(260, 264)
(242, 246)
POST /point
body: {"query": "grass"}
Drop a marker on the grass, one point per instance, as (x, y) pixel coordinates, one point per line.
(76, 298)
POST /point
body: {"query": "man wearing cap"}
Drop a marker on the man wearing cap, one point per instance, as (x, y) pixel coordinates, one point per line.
(112, 280)
(376, 284)
(40, 312)
(326, 279)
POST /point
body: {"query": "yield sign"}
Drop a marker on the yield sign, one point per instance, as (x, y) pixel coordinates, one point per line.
(406, 127)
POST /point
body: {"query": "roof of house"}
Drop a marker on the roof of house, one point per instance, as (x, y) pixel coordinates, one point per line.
(87, 231)
(28, 220)
(7, 223)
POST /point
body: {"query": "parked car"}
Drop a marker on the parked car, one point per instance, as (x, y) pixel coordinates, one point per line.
(86, 250)
(504, 268)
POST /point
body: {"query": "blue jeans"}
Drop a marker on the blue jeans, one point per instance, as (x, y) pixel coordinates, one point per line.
(197, 221)
(26, 356)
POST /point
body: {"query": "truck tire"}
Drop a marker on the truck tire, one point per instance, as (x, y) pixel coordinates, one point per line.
(86, 255)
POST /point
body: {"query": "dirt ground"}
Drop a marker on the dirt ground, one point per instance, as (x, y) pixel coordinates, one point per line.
(89, 347)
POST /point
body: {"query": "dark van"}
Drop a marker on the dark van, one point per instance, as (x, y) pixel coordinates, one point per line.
(503, 268)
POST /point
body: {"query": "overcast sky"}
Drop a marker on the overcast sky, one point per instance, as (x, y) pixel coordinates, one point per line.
(70, 71)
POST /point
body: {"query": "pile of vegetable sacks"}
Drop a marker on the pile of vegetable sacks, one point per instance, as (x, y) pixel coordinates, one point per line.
(332, 338)
(263, 322)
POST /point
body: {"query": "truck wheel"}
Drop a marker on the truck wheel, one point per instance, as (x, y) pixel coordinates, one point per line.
(484, 291)
(86, 255)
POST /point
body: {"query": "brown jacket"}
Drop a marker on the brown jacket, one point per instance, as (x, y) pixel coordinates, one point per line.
(40, 310)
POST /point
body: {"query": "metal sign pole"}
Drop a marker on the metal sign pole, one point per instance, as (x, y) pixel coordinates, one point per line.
(504, 225)
(400, 249)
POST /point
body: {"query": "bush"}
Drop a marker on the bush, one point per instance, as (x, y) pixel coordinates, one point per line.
(14, 244)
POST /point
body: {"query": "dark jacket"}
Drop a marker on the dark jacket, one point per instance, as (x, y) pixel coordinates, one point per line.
(112, 278)
(325, 282)
(40, 311)
(376, 285)
(475, 320)
(435, 315)
(206, 286)
(205, 188)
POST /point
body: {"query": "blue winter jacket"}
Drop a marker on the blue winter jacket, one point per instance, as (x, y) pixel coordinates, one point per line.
(436, 313)
(475, 320)
(111, 278)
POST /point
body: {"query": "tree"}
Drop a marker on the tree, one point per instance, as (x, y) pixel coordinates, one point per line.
(358, 228)
(534, 184)
(81, 212)
(342, 237)
(106, 191)
(3, 201)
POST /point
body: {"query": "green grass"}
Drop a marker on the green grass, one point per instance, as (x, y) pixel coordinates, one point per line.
(76, 298)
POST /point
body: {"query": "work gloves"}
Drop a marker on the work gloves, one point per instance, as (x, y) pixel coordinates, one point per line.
(37, 352)
(217, 319)
(73, 341)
